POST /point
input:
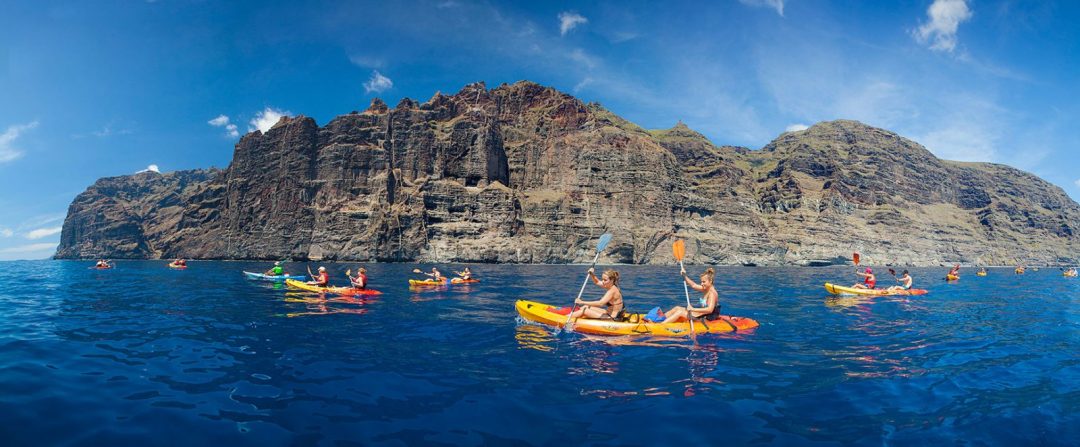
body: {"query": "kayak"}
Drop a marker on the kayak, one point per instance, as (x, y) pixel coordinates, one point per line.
(1069, 275)
(951, 277)
(266, 277)
(637, 324)
(427, 282)
(464, 281)
(980, 273)
(180, 267)
(1019, 271)
(344, 291)
(841, 290)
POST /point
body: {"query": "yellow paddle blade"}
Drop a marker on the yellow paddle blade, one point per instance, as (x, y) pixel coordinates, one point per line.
(679, 248)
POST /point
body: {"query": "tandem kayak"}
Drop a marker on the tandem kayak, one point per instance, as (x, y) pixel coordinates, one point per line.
(178, 267)
(464, 281)
(951, 277)
(343, 291)
(841, 290)
(552, 316)
(266, 277)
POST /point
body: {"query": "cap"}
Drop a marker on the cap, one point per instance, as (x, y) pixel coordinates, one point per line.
(322, 269)
(868, 270)
(277, 262)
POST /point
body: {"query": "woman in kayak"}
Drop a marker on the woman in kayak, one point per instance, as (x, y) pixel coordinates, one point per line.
(466, 275)
(276, 270)
(955, 271)
(905, 281)
(360, 281)
(179, 262)
(869, 281)
(709, 305)
(102, 264)
(322, 280)
(612, 299)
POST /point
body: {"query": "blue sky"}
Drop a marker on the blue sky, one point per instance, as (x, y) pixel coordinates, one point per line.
(105, 88)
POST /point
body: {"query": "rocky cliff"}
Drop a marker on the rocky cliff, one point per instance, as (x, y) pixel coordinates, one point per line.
(524, 173)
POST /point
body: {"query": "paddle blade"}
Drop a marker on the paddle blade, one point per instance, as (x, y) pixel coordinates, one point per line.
(679, 248)
(892, 272)
(348, 273)
(855, 258)
(604, 239)
(416, 271)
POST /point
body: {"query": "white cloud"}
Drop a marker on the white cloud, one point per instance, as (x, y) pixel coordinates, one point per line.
(584, 83)
(223, 121)
(6, 232)
(796, 127)
(151, 168)
(570, 20)
(1077, 183)
(778, 5)
(266, 119)
(7, 151)
(43, 232)
(32, 251)
(945, 18)
(378, 83)
(962, 141)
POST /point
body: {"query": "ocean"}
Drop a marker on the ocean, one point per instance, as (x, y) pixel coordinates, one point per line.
(146, 355)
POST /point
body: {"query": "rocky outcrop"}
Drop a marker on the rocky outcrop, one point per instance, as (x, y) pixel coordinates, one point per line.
(524, 173)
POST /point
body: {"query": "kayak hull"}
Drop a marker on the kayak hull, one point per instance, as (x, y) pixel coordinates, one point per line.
(464, 281)
(178, 267)
(265, 277)
(343, 291)
(951, 277)
(426, 283)
(851, 291)
(545, 314)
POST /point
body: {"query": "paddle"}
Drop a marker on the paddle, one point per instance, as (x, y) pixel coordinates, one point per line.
(893, 273)
(600, 244)
(679, 249)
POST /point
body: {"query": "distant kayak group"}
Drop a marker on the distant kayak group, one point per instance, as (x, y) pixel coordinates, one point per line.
(607, 315)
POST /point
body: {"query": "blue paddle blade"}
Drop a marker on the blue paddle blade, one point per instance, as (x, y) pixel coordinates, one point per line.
(604, 239)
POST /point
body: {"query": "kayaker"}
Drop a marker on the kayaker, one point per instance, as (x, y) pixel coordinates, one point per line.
(981, 272)
(466, 275)
(709, 305)
(905, 281)
(360, 281)
(179, 262)
(869, 281)
(955, 271)
(101, 264)
(276, 270)
(612, 299)
(322, 279)
(435, 275)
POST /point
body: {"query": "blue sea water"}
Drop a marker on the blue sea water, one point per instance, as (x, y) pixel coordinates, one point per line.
(144, 355)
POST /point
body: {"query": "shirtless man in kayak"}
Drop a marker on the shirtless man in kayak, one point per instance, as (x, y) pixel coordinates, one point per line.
(709, 305)
(610, 306)
(869, 280)
(905, 281)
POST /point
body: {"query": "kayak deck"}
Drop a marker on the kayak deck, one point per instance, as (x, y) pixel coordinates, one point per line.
(343, 291)
(545, 314)
(841, 290)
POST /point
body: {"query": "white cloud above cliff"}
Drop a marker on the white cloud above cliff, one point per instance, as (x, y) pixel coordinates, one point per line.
(151, 168)
(796, 127)
(378, 83)
(777, 5)
(32, 251)
(223, 121)
(43, 232)
(945, 17)
(6, 232)
(569, 20)
(8, 151)
(1077, 183)
(266, 119)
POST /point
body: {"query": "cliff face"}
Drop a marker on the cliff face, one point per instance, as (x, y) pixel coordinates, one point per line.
(524, 173)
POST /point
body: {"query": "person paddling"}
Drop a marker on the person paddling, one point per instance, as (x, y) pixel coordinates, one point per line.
(465, 275)
(869, 280)
(905, 281)
(610, 306)
(955, 272)
(360, 281)
(179, 262)
(435, 275)
(102, 264)
(709, 305)
(276, 270)
(322, 279)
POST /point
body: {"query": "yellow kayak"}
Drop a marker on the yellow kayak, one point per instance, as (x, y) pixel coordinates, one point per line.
(1019, 271)
(637, 325)
(1067, 275)
(841, 290)
(344, 291)
(951, 277)
(980, 273)
(427, 282)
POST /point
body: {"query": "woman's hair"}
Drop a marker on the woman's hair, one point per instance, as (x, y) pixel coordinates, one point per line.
(362, 270)
(905, 272)
(613, 275)
(710, 273)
